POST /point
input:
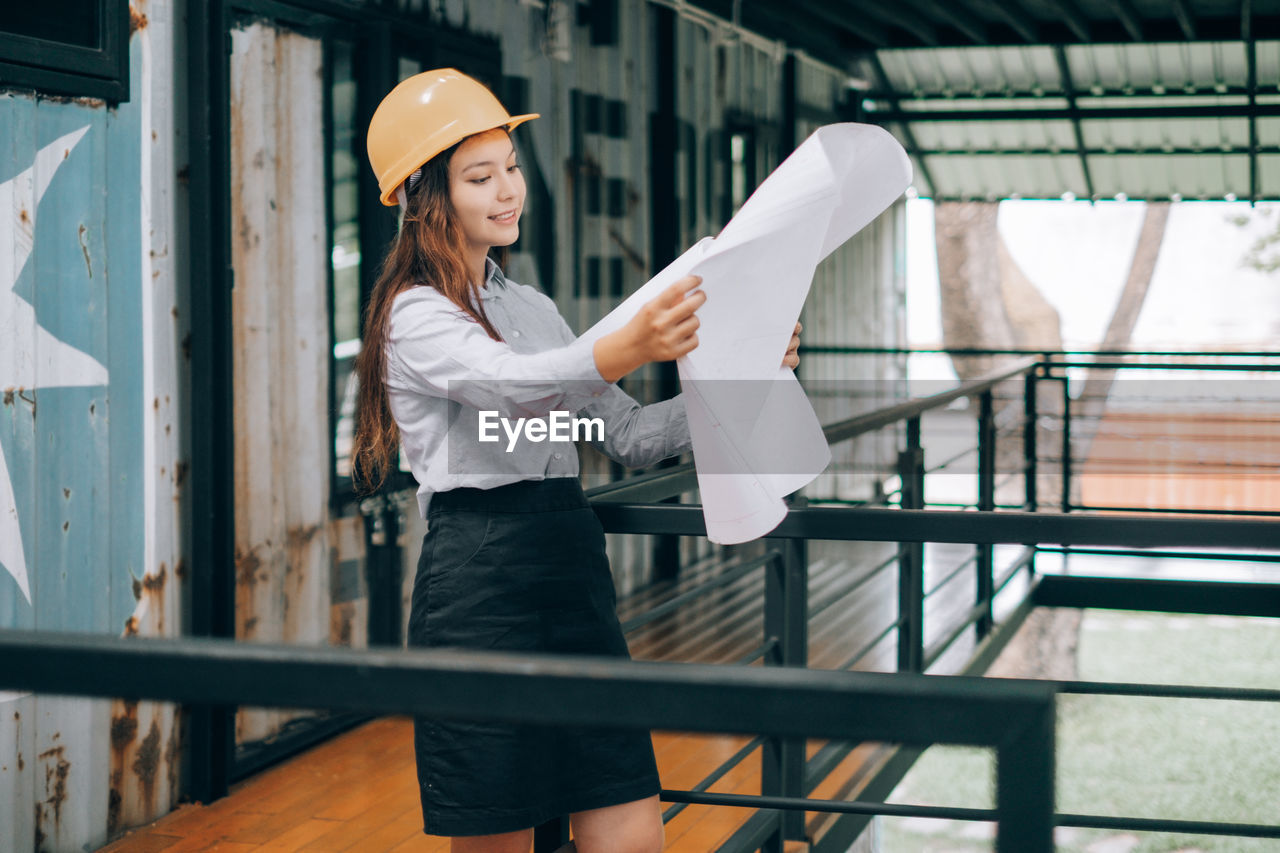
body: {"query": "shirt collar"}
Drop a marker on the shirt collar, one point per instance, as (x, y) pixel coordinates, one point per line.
(494, 281)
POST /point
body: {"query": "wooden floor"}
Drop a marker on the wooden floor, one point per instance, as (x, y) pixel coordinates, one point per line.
(358, 791)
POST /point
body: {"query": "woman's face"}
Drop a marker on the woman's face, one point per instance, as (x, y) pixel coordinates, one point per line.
(487, 189)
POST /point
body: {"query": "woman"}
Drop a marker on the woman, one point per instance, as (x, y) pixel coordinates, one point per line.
(514, 557)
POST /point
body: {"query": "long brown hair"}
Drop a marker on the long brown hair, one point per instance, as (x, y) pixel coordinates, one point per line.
(428, 251)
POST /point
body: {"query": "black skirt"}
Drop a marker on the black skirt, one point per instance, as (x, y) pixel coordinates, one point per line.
(520, 567)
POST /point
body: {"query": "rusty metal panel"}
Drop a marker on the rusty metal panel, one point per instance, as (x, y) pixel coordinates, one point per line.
(90, 465)
(281, 340)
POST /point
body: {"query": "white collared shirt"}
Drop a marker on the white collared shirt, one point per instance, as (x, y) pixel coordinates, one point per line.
(443, 370)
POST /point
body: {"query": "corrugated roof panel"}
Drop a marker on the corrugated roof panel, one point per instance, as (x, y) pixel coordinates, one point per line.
(979, 104)
(1269, 176)
(1212, 134)
(1268, 131)
(1159, 175)
(994, 135)
(968, 70)
(1116, 67)
(1005, 176)
(1268, 64)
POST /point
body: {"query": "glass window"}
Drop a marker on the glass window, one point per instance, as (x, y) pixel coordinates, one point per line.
(66, 47)
(346, 258)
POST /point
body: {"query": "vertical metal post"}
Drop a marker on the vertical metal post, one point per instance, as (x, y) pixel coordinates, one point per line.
(1029, 453)
(1025, 787)
(551, 836)
(384, 570)
(986, 503)
(786, 624)
(911, 557)
(664, 221)
(212, 727)
(1066, 442)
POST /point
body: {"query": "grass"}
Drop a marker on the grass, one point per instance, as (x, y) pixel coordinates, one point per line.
(1185, 759)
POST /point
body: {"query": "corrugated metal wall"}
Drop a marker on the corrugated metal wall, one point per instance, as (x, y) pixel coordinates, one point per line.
(91, 467)
(280, 329)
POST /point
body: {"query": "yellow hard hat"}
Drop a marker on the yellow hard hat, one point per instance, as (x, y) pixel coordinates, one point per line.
(424, 115)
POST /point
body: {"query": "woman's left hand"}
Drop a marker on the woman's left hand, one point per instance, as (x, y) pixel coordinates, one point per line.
(792, 358)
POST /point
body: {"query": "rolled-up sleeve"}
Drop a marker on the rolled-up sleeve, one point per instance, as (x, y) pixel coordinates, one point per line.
(433, 350)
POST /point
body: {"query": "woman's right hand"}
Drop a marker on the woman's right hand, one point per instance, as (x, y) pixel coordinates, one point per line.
(664, 328)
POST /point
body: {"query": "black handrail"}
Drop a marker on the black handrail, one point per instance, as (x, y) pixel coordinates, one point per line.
(1016, 718)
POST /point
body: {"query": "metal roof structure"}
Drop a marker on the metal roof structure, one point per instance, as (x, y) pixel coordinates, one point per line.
(1138, 99)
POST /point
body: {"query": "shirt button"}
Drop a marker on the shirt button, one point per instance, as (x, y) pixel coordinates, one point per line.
(516, 333)
(557, 455)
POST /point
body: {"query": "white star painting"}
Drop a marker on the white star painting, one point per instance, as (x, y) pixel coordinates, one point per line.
(30, 356)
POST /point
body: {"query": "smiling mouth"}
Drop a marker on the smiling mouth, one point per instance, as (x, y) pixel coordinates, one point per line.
(504, 218)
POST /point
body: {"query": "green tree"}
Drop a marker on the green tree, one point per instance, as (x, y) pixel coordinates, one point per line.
(1264, 254)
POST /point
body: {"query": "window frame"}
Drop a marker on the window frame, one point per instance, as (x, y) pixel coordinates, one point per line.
(59, 68)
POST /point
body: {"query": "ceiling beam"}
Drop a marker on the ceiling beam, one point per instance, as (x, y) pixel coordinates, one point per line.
(1011, 13)
(821, 41)
(1185, 20)
(1150, 151)
(1128, 17)
(952, 16)
(1073, 18)
(1069, 89)
(882, 82)
(1251, 58)
(1085, 113)
(857, 25)
(895, 15)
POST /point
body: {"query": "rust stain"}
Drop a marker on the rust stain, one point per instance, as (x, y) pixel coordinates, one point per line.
(124, 728)
(115, 804)
(147, 762)
(66, 493)
(93, 407)
(137, 589)
(84, 247)
(186, 346)
(172, 756)
(131, 626)
(55, 780)
(22, 395)
(137, 20)
(247, 565)
(180, 568)
(65, 526)
(155, 583)
(40, 836)
(24, 217)
(8, 396)
(180, 469)
(184, 175)
(21, 764)
(155, 404)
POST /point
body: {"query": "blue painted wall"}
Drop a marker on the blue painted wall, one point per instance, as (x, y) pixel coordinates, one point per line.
(74, 453)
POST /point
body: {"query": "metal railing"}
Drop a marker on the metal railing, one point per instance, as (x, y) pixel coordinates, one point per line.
(633, 506)
(1014, 718)
(782, 702)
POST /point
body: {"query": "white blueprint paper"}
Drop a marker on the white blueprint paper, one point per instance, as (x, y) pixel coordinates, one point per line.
(756, 274)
